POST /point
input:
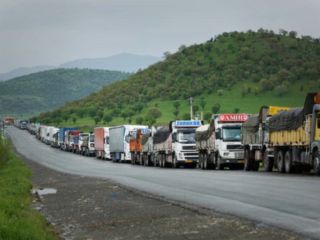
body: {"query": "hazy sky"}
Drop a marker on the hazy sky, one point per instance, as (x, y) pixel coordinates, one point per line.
(50, 32)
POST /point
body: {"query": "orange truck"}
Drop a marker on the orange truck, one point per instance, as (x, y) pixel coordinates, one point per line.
(136, 145)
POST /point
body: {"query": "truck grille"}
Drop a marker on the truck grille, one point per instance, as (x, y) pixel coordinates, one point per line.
(188, 147)
(229, 147)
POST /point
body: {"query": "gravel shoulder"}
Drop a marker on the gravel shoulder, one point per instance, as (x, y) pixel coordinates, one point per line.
(93, 208)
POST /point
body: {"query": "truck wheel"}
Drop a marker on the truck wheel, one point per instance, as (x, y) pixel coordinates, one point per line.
(267, 162)
(219, 163)
(200, 161)
(175, 162)
(247, 160)
(205, 161)
(280, 162)
(288, 162)
(212, 161)
(316, 163)
(256, 165)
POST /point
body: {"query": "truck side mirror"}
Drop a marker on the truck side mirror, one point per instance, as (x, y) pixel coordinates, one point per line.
(174, 137)
(218, 133)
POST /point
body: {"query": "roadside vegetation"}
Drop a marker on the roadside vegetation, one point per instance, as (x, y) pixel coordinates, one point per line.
(233, 72)
(17, 219)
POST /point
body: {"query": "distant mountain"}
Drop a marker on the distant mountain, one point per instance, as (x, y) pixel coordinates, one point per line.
(46, 90)
(23, 71)
(124, 62)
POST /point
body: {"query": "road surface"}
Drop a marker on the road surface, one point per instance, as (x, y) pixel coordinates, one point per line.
(291, 202)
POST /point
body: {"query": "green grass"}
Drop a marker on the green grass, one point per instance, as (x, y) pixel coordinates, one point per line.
(230, 100)
(17, 219)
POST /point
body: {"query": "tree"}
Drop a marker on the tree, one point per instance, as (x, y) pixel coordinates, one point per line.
(96, 120)
(215, 108)
(107, 118)
(154, 113)
(207, 116)
(236, 110)
(186, 116)
(166, 54)
(176, 104)
(74, 120)
(139, 120)
(202, 103)
(220, 92)
(196, 108)
(176, 113)
(124, 115)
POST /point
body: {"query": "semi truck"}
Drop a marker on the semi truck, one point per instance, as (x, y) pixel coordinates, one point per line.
(63, 137)
(255, 139)
(135, 143)
(295, 137)
(101, 143)
(119, 141)
(219, 143)
(86, 144)
(175, 145)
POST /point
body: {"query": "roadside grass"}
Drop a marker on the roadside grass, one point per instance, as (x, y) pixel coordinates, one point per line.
(17, 219)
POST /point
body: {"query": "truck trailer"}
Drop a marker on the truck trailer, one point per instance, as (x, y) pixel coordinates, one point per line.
(136, 145)
(175, 145)
(101, 143)
(119, 140)
(295, 137)
(255, 139)
(219, 143)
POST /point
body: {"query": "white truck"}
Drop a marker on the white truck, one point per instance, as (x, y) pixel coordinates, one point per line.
(119, 141)
(86, 144)
(175, 145)
(219, 143)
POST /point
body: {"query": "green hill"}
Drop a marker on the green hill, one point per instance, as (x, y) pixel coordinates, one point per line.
(235, 72)
(47, 90)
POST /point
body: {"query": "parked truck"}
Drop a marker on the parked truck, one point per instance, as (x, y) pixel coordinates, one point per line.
(101, 143)
(63, 137)
(219, 143)
(136, 145)
(175, 146)
(295, 137)
(255, 139)
(119, 141)
(86, 144)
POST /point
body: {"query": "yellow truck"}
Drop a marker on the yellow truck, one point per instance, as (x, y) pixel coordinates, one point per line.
(294, 136)
(255, 139)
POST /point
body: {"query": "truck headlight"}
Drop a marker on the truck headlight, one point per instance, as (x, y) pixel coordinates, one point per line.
(180, 155)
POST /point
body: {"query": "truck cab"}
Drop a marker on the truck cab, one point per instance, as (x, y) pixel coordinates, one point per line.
(227, 144)
(183, 142)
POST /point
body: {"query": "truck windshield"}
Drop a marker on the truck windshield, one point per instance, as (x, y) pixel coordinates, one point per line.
(91, 138)
(231, 133)
(186, 136)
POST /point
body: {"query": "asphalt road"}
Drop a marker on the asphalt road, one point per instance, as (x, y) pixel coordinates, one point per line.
(286, 201)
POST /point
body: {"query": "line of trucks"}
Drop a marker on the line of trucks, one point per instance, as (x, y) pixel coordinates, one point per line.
(276, 138)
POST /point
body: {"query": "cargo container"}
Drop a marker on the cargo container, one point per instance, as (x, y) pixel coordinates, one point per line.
(295, 137)
(219, 143)
(119, 142)
(101, 143)
(255, 139)
(175, 146)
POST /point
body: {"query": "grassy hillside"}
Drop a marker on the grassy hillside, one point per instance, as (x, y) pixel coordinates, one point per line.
(46, 90)
(235, 72)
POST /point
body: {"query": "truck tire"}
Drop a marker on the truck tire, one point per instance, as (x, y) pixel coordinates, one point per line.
(316, 163)
(219, 164)
(175, 162)
(211, 164)
(267, 162)
(256, 165)
(200, 161)
(288, 162)
(247, 160)
(205, 161)
(280, 161)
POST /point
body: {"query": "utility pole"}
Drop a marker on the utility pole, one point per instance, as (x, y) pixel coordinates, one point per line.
(191, 109)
